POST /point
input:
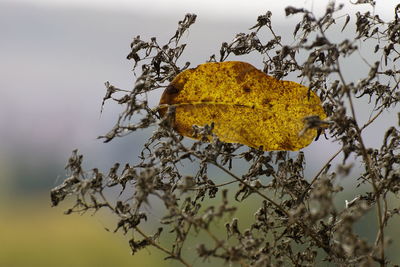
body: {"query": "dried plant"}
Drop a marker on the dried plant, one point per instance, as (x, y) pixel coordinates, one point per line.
(296, 222)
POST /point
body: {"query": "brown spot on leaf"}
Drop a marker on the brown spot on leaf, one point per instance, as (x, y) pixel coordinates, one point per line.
(267, 102)
(241, 70)
(169, 95)
(266, 117)
(171, 89)
(287, 144)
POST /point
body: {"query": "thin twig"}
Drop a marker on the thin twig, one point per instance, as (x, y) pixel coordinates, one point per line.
(371, 170)
(154, 244)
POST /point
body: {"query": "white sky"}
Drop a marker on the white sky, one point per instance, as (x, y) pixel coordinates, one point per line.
(54, 54)
(39, 41)
(241, 9)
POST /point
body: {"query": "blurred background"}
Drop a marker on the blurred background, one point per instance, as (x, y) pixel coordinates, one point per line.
(55, 56)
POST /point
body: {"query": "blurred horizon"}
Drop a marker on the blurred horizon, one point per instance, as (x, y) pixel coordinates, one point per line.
(55, 58)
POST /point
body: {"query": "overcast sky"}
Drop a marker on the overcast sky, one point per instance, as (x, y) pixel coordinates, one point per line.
(57, 54)
(52, 50)
(238, 9)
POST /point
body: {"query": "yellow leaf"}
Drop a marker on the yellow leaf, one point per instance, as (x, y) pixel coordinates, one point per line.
(246, 106)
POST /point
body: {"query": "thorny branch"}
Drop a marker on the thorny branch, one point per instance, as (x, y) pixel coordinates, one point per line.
(296, 217)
